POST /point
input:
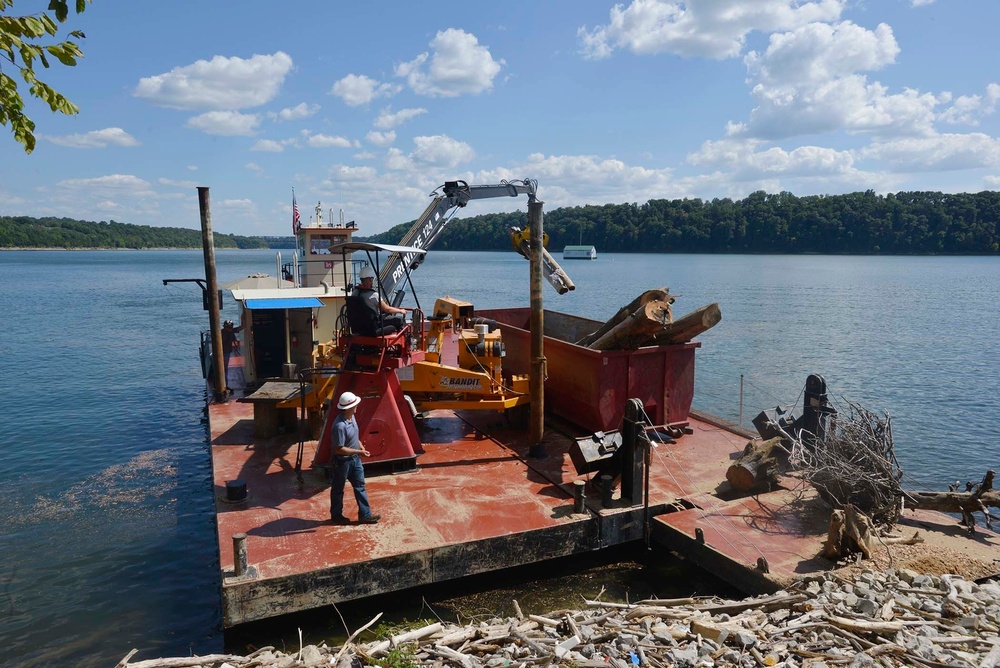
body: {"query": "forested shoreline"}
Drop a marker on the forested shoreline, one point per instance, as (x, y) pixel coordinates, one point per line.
(70, 234)
(905, 223)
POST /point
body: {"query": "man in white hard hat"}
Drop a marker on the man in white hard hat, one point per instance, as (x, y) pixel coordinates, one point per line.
(390, 314)
(347, 452)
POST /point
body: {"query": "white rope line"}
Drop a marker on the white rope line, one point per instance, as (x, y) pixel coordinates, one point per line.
(702, 513)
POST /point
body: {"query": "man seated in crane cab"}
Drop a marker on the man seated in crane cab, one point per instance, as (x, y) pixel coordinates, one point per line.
(391, 316)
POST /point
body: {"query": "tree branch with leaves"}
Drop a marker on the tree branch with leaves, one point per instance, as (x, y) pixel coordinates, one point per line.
(20, 47)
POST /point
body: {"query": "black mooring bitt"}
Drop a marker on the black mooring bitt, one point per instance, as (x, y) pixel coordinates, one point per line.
(816, 409)
(633, 452)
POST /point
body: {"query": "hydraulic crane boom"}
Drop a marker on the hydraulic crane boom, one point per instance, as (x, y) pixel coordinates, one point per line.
(425, 231)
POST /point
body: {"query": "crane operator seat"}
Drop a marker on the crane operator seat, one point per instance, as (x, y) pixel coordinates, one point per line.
(361, 319)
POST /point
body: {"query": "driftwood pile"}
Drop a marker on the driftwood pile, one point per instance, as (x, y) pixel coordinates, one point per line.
(892, 618)
(855, 463)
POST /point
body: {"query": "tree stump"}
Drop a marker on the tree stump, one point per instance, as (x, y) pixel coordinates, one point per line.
(851, 531)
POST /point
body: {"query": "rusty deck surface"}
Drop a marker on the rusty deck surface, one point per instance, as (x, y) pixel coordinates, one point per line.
(477, 502)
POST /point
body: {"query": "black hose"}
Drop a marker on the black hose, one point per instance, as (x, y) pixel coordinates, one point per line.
(493, 324)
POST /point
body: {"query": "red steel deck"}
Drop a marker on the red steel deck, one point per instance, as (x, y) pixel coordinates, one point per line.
(478, 503)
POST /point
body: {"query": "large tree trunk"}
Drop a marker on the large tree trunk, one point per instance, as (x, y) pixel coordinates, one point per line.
(662, 294)
(951, 502)
(965, 503)
(637, 329)
(690, 326)
(757, 465)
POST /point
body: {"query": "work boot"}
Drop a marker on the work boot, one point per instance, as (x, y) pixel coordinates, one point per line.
(340, 520)
(371, 519)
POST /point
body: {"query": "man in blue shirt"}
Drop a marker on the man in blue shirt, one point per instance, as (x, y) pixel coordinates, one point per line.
(347, 451)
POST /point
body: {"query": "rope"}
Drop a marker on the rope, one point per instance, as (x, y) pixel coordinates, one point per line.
(702, 513)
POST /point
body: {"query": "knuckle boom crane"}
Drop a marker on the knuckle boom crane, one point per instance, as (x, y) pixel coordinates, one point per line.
(448, 199)
(454, 363)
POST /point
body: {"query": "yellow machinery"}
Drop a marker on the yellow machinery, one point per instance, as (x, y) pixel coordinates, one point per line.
(477, 380)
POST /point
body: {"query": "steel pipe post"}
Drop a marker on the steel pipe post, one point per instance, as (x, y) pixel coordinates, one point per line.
(214, 320)
(241, 561)
(536, 380)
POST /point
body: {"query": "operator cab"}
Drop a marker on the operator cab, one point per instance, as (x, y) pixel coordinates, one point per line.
(369, 341)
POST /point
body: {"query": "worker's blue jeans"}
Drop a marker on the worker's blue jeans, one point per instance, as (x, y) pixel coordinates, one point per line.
(348, 469)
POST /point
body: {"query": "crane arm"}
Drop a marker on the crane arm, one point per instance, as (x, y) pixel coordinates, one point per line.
(425, 231)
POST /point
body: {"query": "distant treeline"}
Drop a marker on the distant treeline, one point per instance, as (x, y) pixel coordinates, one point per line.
(857, 223)
(26, 232)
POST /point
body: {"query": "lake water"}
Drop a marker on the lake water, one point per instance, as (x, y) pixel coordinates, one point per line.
(106, 530)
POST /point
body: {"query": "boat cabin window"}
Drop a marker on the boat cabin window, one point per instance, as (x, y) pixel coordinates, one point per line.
(320, 244)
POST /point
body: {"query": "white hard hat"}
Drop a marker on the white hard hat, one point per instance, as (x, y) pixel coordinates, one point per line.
(348, 400)
(367, 272)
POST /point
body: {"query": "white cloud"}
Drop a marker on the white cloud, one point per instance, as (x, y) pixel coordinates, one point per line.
(699, 28)
(968, 109)
(225, 123)
(192, 168)
(458, 65)
(218, 84)
(302, 110)
(441, 151)
(807, 82)
(748, 160)
(396, 160)
(255, 168)
(356, 90)
(112, 183)
(938, 153)
(241, 207)
(268, 145)
(387, 120)
(381, 138)
(176, 184)
(95, 139)
(328, 141)
(921, 3)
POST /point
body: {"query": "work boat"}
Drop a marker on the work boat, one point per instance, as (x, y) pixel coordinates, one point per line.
(490, 447)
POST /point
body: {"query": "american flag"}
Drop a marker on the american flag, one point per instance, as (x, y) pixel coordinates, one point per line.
(296, 221)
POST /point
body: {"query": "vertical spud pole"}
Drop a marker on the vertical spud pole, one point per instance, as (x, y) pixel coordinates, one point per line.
(536, 380)
(208, 248)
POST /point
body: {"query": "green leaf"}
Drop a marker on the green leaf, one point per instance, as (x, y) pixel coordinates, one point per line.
(60, 8)
(62, 54)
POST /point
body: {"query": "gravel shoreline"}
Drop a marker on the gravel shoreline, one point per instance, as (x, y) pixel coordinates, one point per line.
(893, 617)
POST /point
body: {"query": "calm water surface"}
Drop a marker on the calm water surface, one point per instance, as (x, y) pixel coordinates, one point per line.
(106, 530)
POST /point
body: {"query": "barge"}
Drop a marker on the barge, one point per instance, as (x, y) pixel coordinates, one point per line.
(461, 484)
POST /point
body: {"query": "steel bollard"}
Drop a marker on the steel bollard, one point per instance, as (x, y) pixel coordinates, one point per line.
(579, 496)
(240, 559)
(607, 490)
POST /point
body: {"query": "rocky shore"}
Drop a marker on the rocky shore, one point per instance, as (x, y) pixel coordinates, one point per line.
(895, 617)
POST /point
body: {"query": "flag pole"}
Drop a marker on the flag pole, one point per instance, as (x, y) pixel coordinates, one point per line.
(295, 230)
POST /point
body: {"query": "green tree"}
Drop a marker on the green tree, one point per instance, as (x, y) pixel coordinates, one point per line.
(19, 46)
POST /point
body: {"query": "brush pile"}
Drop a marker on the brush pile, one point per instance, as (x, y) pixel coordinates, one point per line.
(890, 618)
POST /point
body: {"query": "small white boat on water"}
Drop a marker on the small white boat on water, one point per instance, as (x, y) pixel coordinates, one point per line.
(579, 253)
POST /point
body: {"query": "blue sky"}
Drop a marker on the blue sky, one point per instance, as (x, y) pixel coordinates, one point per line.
(369, 106)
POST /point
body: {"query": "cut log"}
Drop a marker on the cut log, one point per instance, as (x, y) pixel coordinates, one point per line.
(690, 326)
(756, 466)
(638, 328)
(662, 294)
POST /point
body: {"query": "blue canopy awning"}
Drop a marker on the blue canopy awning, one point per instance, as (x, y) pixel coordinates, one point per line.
(284, 302)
